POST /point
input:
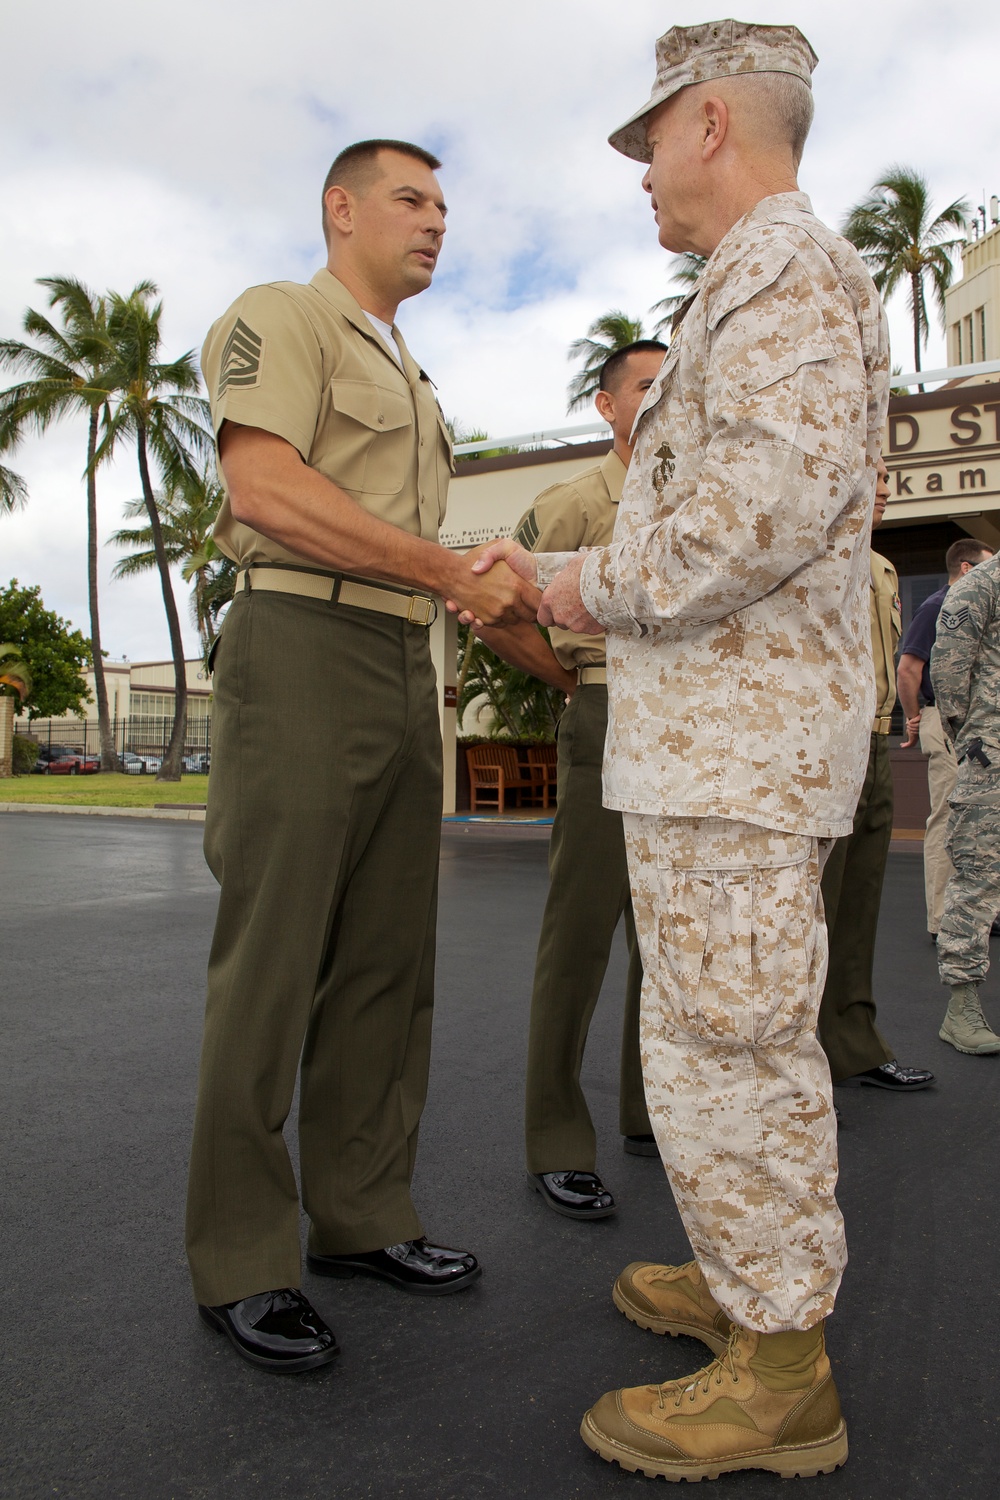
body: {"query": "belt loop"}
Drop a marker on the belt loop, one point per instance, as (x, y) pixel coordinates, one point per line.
(338, 580)
(246, 580)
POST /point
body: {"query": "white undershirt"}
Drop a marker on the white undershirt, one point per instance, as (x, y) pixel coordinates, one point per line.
(385, 329)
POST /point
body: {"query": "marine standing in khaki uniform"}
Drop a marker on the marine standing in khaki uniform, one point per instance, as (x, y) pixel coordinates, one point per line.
(325, 806)
(735, 604)
(855, 870)
(588, 874)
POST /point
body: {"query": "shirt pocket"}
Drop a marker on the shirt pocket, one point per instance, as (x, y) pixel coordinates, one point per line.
(372, 448)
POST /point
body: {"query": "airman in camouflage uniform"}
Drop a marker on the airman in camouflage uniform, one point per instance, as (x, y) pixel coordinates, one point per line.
(735, 602)
(965, 675)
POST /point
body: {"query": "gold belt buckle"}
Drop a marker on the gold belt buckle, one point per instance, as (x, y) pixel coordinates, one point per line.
(423, 606)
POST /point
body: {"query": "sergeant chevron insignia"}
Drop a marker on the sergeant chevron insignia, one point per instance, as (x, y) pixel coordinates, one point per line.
(527, 532)
(242, 357)
(951, 619)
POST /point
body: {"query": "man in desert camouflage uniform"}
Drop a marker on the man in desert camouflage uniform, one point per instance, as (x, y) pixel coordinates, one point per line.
(735, 603)
(965, 675)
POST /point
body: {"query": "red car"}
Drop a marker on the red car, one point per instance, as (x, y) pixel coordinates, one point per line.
(60, 760)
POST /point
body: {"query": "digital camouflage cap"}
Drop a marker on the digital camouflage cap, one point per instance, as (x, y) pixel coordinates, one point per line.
(717, 49)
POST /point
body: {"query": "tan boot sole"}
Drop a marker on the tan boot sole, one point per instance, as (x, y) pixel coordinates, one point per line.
(667, 1325)
(801, 1462)
(985, 1049)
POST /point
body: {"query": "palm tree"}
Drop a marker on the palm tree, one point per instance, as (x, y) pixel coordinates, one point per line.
(460, 434)
(219, 591)
(522, 707)
(684, 272)
(612, 330)
(13, 491)
(156, 407)
(16, 674)
(68, 370)
(188, 507)
(900, 242)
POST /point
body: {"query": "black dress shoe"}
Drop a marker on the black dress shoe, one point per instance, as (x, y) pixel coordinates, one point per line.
(279, 1331)
(640, 1145)
(414, 1266)
(578, 1195)
(891, 1076)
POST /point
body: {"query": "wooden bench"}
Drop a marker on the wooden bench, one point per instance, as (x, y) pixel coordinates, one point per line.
(493, 771)
(542, 762)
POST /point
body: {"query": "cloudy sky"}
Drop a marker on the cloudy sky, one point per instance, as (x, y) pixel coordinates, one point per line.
(188, 142)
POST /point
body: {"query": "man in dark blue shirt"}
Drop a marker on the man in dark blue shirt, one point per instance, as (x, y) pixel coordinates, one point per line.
(913, 683)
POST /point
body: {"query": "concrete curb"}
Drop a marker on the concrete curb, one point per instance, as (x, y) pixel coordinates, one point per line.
(180, 815)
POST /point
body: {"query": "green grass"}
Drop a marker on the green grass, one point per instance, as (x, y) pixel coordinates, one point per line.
(106, 789)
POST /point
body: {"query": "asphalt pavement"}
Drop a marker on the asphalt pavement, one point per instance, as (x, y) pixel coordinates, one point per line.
(111, 1389)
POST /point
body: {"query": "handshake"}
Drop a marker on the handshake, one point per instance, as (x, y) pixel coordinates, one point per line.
(500, 586)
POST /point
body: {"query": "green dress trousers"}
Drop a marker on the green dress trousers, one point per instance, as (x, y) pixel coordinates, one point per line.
(852, 890)
(323, 830)
(588, 893)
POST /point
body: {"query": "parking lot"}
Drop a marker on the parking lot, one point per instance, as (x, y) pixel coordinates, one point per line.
(111, 1387)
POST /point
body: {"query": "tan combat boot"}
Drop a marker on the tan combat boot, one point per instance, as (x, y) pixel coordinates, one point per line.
(672, 1299)
(768, 1403)
(965, 1026)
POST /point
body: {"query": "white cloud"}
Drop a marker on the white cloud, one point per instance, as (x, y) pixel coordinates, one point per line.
(188, 143)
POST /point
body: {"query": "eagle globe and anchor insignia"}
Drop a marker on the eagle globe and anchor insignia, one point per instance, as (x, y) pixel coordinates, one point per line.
(664, 471)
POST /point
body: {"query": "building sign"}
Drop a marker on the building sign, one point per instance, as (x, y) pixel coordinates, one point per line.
(943, 451)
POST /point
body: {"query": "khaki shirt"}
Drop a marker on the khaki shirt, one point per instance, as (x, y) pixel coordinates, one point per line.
(580, 512)
(734, 594)
(887, 630)
(305, 363)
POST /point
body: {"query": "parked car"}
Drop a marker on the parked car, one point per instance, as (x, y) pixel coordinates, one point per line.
(61, 760)
(139, 765)
(197, 763)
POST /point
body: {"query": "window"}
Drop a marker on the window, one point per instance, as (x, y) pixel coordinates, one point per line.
(956, 329)
(981, 315)
(970, 353)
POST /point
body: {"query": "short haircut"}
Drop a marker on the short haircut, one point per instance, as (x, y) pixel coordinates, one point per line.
(613, 368)
(967, 549)
(779, 107)
(356, 167)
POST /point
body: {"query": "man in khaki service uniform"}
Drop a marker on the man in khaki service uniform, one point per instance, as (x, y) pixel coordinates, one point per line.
(735, 604)
(855, 870)
(324, 814)
(588, 874)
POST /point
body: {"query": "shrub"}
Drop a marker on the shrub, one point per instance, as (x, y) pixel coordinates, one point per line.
(25, 754)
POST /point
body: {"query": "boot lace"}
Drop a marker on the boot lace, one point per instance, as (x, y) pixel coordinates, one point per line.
(702, 1382)
(972, 1010)
(672, 1273)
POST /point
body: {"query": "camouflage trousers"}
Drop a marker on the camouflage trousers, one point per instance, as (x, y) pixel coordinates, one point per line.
(972, 895)
(730, 922)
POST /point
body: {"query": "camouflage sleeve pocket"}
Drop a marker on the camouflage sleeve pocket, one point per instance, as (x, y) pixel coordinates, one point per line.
(769, 325)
